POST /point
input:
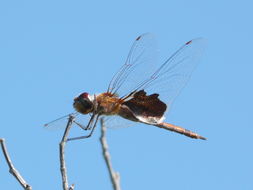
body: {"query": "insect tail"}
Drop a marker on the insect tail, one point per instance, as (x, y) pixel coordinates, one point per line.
(180, 130)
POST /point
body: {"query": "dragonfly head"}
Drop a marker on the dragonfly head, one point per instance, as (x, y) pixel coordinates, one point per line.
(83, 103)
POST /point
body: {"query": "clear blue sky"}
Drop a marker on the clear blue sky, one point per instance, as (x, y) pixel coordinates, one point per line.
(52, 50)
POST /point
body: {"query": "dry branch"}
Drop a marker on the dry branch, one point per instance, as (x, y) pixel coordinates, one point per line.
(62, 156)
(114, 176)
(12, 169)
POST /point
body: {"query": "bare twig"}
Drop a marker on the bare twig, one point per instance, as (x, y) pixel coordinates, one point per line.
(62, 158)
(12, 170)
(115, 177)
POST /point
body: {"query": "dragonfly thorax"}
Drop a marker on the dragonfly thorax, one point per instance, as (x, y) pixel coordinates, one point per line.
(83, 103)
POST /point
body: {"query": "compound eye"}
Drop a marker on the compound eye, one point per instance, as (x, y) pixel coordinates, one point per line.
(87, 105)
(84, 95)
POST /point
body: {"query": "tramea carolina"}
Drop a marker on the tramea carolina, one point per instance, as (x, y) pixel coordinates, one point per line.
(140, 91)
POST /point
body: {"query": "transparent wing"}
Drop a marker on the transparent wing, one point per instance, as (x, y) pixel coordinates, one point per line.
(140, 63)
(117, 122)
(62, 121)
(174, 73)
(138, 72)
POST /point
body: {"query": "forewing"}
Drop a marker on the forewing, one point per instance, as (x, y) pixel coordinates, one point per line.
(140, 63)
(174, 73)
(61, 122)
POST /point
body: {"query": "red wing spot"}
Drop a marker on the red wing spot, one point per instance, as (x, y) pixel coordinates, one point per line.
(138, 38)
(187, 43)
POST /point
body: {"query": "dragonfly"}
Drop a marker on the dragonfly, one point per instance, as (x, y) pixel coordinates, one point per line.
(141, 91)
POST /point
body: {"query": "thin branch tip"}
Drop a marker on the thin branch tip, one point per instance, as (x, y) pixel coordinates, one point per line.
(12, 169)
(62, 144)
(114, 176)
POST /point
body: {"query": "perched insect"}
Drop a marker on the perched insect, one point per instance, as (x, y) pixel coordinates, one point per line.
(139, 91)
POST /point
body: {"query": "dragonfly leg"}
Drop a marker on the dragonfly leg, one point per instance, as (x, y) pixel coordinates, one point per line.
(88, 127)
(80, 125)
(89, 135)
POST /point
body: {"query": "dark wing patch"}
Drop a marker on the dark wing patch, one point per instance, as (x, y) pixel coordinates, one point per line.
(149, 106)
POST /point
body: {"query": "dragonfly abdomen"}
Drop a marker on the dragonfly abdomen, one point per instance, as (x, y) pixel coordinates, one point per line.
(180, 130)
